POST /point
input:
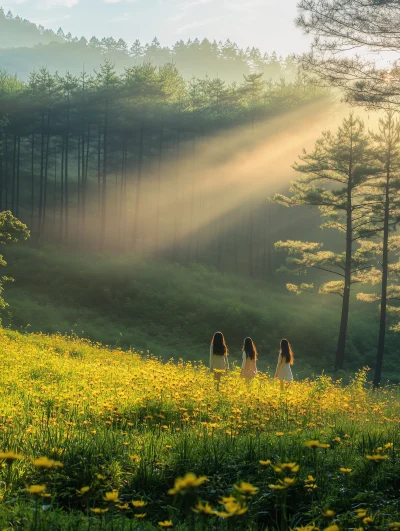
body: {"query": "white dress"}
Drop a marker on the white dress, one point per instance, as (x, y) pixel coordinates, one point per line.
(283, 370)
(218, 362)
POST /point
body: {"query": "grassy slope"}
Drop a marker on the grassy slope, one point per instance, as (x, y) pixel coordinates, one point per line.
(173, 310)
(121, 421)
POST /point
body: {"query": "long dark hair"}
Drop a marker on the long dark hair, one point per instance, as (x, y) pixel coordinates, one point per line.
(250, 349)
(219, 345)
(286, 351)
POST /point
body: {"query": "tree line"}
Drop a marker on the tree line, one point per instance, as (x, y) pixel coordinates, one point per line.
(108, 161)
(194, 58)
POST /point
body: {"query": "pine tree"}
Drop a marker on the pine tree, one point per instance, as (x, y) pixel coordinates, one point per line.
(334, 175)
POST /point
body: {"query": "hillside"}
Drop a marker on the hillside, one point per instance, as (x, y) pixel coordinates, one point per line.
(18, 32)
(97, 439)
(26, 47)
(173, 310)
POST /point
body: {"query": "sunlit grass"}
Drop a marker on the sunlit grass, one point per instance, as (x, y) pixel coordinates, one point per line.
(97, 438)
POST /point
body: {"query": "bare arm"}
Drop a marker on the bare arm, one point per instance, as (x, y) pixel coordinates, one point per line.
(277, 366)
(226, 362)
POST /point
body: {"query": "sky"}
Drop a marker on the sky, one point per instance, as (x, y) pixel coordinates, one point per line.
(266, 24)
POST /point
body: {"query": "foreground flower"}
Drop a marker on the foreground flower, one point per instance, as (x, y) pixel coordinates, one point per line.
(203, 508)
(10, 456)
(98, 510)
(246, 489)
(361, 513)
(165, 524)
(277, 487)
(333, 527)
(289, 481)
(138, 503)
(345, 470)
(316, 444)
(188, 482)
(232, 508)
(111, 496)
(36, 490)
(83, 490)
(328, 513)
(45, 462)
(377, 458)
(311, 444)
(265, 463)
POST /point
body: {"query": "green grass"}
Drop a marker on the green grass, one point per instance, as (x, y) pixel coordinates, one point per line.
(173, 310)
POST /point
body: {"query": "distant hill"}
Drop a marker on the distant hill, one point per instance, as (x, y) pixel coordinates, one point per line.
(25, 46)
(17, 32)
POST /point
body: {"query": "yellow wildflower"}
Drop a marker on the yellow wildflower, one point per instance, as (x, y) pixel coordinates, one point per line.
(83, 490)
(36, 490)
(246, 489)
(138, 503)
(204, 508)
(277, 487)
(165, 524)
(312, 444)
(98, 510)
(45, 462)
(10, 456)
(111, 496)
(377, 458)
(188, 482)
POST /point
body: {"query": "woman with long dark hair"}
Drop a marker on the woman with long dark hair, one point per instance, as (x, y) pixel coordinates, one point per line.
(285, 360)
(250, 356)
(218, 356)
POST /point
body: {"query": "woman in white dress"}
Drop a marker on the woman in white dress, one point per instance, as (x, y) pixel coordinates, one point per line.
(218, 357)
(285, 360)
(250, 356)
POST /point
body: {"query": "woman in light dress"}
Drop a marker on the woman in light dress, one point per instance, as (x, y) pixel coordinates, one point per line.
(218, 357)
(250, 356)
(285, 360)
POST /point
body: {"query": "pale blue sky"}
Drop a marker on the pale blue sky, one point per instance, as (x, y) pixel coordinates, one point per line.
(267, 24)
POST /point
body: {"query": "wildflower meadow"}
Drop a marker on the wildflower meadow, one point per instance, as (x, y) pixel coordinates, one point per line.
(94, 438)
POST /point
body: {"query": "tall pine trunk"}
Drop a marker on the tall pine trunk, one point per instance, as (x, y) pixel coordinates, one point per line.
(341, 344)
(385, 270)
